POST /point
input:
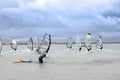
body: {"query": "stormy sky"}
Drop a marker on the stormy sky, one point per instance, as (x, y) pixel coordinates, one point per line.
(29, 18)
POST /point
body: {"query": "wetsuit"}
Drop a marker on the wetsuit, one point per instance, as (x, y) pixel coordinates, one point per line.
(41, 58)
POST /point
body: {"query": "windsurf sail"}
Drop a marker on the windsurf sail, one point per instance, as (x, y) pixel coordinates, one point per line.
(99, 43)
(78, 41)
(14, 44)
(0, 46)
(69, 43)
(44, 45)
(30, 44)
(88, 41)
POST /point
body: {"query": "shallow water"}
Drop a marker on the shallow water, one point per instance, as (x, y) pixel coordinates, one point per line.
(61, 64)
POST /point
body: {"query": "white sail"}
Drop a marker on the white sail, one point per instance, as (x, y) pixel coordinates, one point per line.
(69, 43)
(14, 44)
(30, 44)
(0, 46)
(99, 43)
(44, 45)
(78, 41)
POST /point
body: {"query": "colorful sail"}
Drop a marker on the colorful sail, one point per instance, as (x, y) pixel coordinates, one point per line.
(88, 36)
(88, 41)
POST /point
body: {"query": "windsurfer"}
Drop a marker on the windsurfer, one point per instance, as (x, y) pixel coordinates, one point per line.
(42, 55)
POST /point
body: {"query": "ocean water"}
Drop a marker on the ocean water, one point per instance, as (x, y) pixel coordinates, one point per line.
(61, 63)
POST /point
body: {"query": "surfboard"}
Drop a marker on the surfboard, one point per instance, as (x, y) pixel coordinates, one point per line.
(21, 61)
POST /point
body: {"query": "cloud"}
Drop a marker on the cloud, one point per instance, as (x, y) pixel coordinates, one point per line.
(24, 18)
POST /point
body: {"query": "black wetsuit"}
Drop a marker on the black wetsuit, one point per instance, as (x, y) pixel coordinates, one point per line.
(41, 58)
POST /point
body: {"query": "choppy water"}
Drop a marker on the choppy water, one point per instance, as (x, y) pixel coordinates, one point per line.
(62, 64)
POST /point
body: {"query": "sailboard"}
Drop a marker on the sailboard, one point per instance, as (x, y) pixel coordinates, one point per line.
(22, 61)
(0, 46)
(44, 45)
(69, 43)
(78, 41)
(14, 44)
(88, 41)
(99, 43)
(30, 44)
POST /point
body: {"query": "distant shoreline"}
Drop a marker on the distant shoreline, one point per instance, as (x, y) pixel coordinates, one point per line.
(92, 43)
(65, 43)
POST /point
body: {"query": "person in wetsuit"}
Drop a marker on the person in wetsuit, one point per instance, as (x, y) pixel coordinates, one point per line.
(41, 57)
(84, 45)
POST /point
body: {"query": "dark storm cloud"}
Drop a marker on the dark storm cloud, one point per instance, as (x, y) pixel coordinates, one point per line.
(30, 18)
